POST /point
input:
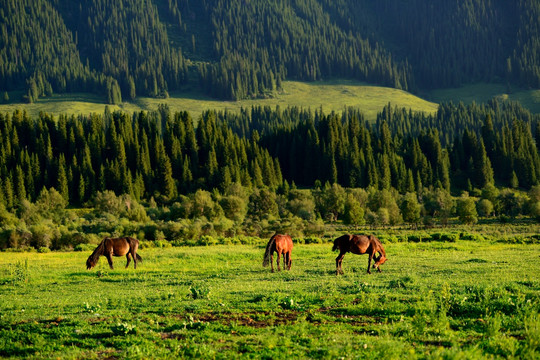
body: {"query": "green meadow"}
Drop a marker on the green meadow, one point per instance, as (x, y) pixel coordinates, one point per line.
(330, 95)
(433, 300)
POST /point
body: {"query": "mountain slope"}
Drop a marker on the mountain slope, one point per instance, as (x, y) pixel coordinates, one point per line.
(238, 49)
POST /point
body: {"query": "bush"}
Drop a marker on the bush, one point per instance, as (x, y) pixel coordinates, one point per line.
(312, 240)
(418, 237)
(199, 291)
(388, 238)
(123, 329)
(161, 244)
(43, 250)
(471, 237)
(207, 240)
(445, 237)
(84, 247)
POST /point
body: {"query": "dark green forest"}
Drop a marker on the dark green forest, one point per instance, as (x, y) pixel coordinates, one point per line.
(241, 49)
(162, 154)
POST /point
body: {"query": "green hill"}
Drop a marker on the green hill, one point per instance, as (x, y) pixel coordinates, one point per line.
(331, 96)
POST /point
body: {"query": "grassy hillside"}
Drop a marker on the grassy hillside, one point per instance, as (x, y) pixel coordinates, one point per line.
(332, 96)
(483, 92)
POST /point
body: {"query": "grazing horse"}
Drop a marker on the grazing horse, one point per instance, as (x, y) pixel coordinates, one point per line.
(282, 244)
(110, 247)
(359, 244)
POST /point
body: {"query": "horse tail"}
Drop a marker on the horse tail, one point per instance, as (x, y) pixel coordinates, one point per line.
(139, 258)
(336, 245)
(269, 249)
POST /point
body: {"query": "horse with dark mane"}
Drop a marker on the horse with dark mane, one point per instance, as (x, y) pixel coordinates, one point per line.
(282, 244)
(359, 244)
(110, 247)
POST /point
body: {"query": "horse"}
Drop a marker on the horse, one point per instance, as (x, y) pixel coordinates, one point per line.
(282, 244)
(110, 247)
(359, 244)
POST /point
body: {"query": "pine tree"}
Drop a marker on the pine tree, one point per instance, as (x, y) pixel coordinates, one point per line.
(166, 183)
(8, 192)
(20, 189)
(62, 181)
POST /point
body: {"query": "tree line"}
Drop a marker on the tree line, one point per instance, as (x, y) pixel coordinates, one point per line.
(162, 154)
(155, 154)
(458, 148)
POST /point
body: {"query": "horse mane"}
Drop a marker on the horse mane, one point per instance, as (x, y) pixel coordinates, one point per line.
(97, 252)
(380, 248)
(268, 251)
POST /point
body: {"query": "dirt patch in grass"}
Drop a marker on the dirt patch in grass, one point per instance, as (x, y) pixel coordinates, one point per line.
(172, 336)
(252, 318)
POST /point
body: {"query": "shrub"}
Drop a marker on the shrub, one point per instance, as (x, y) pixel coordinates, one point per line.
(84, 247)
(207, 240)
(124, 329)
(471, 237)
(446, 237)
(199, 291)
(19, 272)
(389, 238)
(313, 240)
(160, 244)
(418, 237)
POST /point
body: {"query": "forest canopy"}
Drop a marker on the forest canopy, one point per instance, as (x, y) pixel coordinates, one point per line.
(241, 49)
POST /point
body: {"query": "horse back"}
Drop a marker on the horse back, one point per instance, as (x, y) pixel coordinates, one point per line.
(360, 244)
(342, 243)
(119, 246)
(283, 243)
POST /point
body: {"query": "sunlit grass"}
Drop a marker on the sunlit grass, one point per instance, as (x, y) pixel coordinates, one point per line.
(330, 96)
(464, 299)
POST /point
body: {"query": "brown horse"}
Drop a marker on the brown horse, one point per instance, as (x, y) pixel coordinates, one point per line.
(359, 244)
(110, 247)
(282, 244)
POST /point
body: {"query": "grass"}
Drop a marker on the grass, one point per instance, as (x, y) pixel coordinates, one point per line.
(483, 92)
(331, 96)
(463, 299)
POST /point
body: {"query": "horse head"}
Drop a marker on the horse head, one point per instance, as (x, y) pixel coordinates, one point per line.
(89, 263)
(379, 260)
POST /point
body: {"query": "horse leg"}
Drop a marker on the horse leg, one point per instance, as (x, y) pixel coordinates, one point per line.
(289, 261)
(272, 260)
(369, 263)
(278, 260)
(341, 264)
(128, 257)
(109, 259)
(285, 261)
(134, 256)
(339, 260)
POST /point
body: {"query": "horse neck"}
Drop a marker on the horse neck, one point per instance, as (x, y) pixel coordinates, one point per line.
(98, 252)
(381, 249)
